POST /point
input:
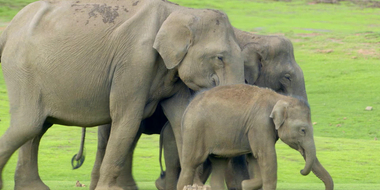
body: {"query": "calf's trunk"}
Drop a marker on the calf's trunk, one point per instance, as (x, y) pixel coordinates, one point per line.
(323, 175)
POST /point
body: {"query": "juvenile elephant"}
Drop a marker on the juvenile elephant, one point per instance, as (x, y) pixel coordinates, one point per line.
(88, 63)
(233, 120)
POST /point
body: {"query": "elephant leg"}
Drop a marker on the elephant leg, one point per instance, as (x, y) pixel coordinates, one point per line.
(125, 126)
(266, 162)
(25, 125)
(236, 172)
(125, 179)
(203, 172)
(193, 155)
(219, 166)
(174, 108)
(103, 135)
(256, 182)
(168, 181)
(26, 175)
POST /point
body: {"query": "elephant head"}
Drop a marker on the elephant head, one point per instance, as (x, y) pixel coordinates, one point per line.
(269, 62)
(202, 46)
(292, 120)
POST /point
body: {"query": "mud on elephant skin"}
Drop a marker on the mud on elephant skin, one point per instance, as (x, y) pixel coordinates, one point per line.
(77, 66)
(245, 119)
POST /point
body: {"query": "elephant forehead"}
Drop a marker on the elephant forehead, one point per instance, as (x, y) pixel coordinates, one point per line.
(212, 18)
(299, 112)
(280, 46)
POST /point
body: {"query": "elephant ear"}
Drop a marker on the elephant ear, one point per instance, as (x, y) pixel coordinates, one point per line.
(252, 64)
(279, 113)
(174, 38)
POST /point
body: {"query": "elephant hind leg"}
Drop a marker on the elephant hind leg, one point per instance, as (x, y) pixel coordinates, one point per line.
(256, 182)
(26, 175)
(24, 126)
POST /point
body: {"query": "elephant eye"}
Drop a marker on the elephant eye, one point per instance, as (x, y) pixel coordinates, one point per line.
(303, 131)
(287, 76)
(220, 58)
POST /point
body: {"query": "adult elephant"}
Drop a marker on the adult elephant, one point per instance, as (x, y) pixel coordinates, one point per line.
(268, 62)
(89, 63)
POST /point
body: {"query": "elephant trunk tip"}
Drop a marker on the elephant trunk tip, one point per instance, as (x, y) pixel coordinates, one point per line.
(305, 173)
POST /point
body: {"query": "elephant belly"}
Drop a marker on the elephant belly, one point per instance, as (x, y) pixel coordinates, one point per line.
(89, 108)
(229, 152)
(229, 146)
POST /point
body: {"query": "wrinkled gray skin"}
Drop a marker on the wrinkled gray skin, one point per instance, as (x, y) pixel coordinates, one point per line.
(268, 62)
(88, 64)
(232, 120)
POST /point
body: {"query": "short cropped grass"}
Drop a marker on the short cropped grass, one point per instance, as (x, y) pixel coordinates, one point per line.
(338, 48)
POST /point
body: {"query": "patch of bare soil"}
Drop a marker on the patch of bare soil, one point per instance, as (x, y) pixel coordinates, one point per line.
(367, 3)
(367, 51)
(309, 34)
(326, 1)
(324, 51)
(364, 3)
(336, 40)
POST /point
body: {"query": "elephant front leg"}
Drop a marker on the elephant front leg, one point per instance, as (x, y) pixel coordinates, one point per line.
(267, 162)
(103, 136)
(174, 108)
(125, 179)
(26, 175)
(123, 133)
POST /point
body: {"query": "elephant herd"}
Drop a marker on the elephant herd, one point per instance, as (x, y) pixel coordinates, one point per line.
(152, 66)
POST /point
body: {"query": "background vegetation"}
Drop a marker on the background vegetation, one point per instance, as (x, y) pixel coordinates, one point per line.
(336, 45)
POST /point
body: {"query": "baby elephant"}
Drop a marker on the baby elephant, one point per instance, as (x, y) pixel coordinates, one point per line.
(233, 120)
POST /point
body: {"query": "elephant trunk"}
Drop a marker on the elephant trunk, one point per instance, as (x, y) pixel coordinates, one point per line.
(323, 175)
(309, 155)
(297, 88)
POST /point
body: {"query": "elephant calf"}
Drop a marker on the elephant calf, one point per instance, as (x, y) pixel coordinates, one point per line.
(232, 120)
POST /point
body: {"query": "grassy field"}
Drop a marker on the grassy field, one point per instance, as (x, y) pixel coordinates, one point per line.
(338, 48)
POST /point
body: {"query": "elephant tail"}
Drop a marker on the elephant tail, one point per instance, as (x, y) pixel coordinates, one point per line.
(161, 147)
(78, 159)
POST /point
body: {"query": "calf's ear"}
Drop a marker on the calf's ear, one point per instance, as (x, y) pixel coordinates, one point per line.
(279, 113)
(174, 38)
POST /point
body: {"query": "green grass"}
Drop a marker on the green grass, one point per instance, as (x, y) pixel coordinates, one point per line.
(338, 48)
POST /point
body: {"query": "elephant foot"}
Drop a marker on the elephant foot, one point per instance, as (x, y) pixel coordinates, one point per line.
(33, 185)
(160, 182)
